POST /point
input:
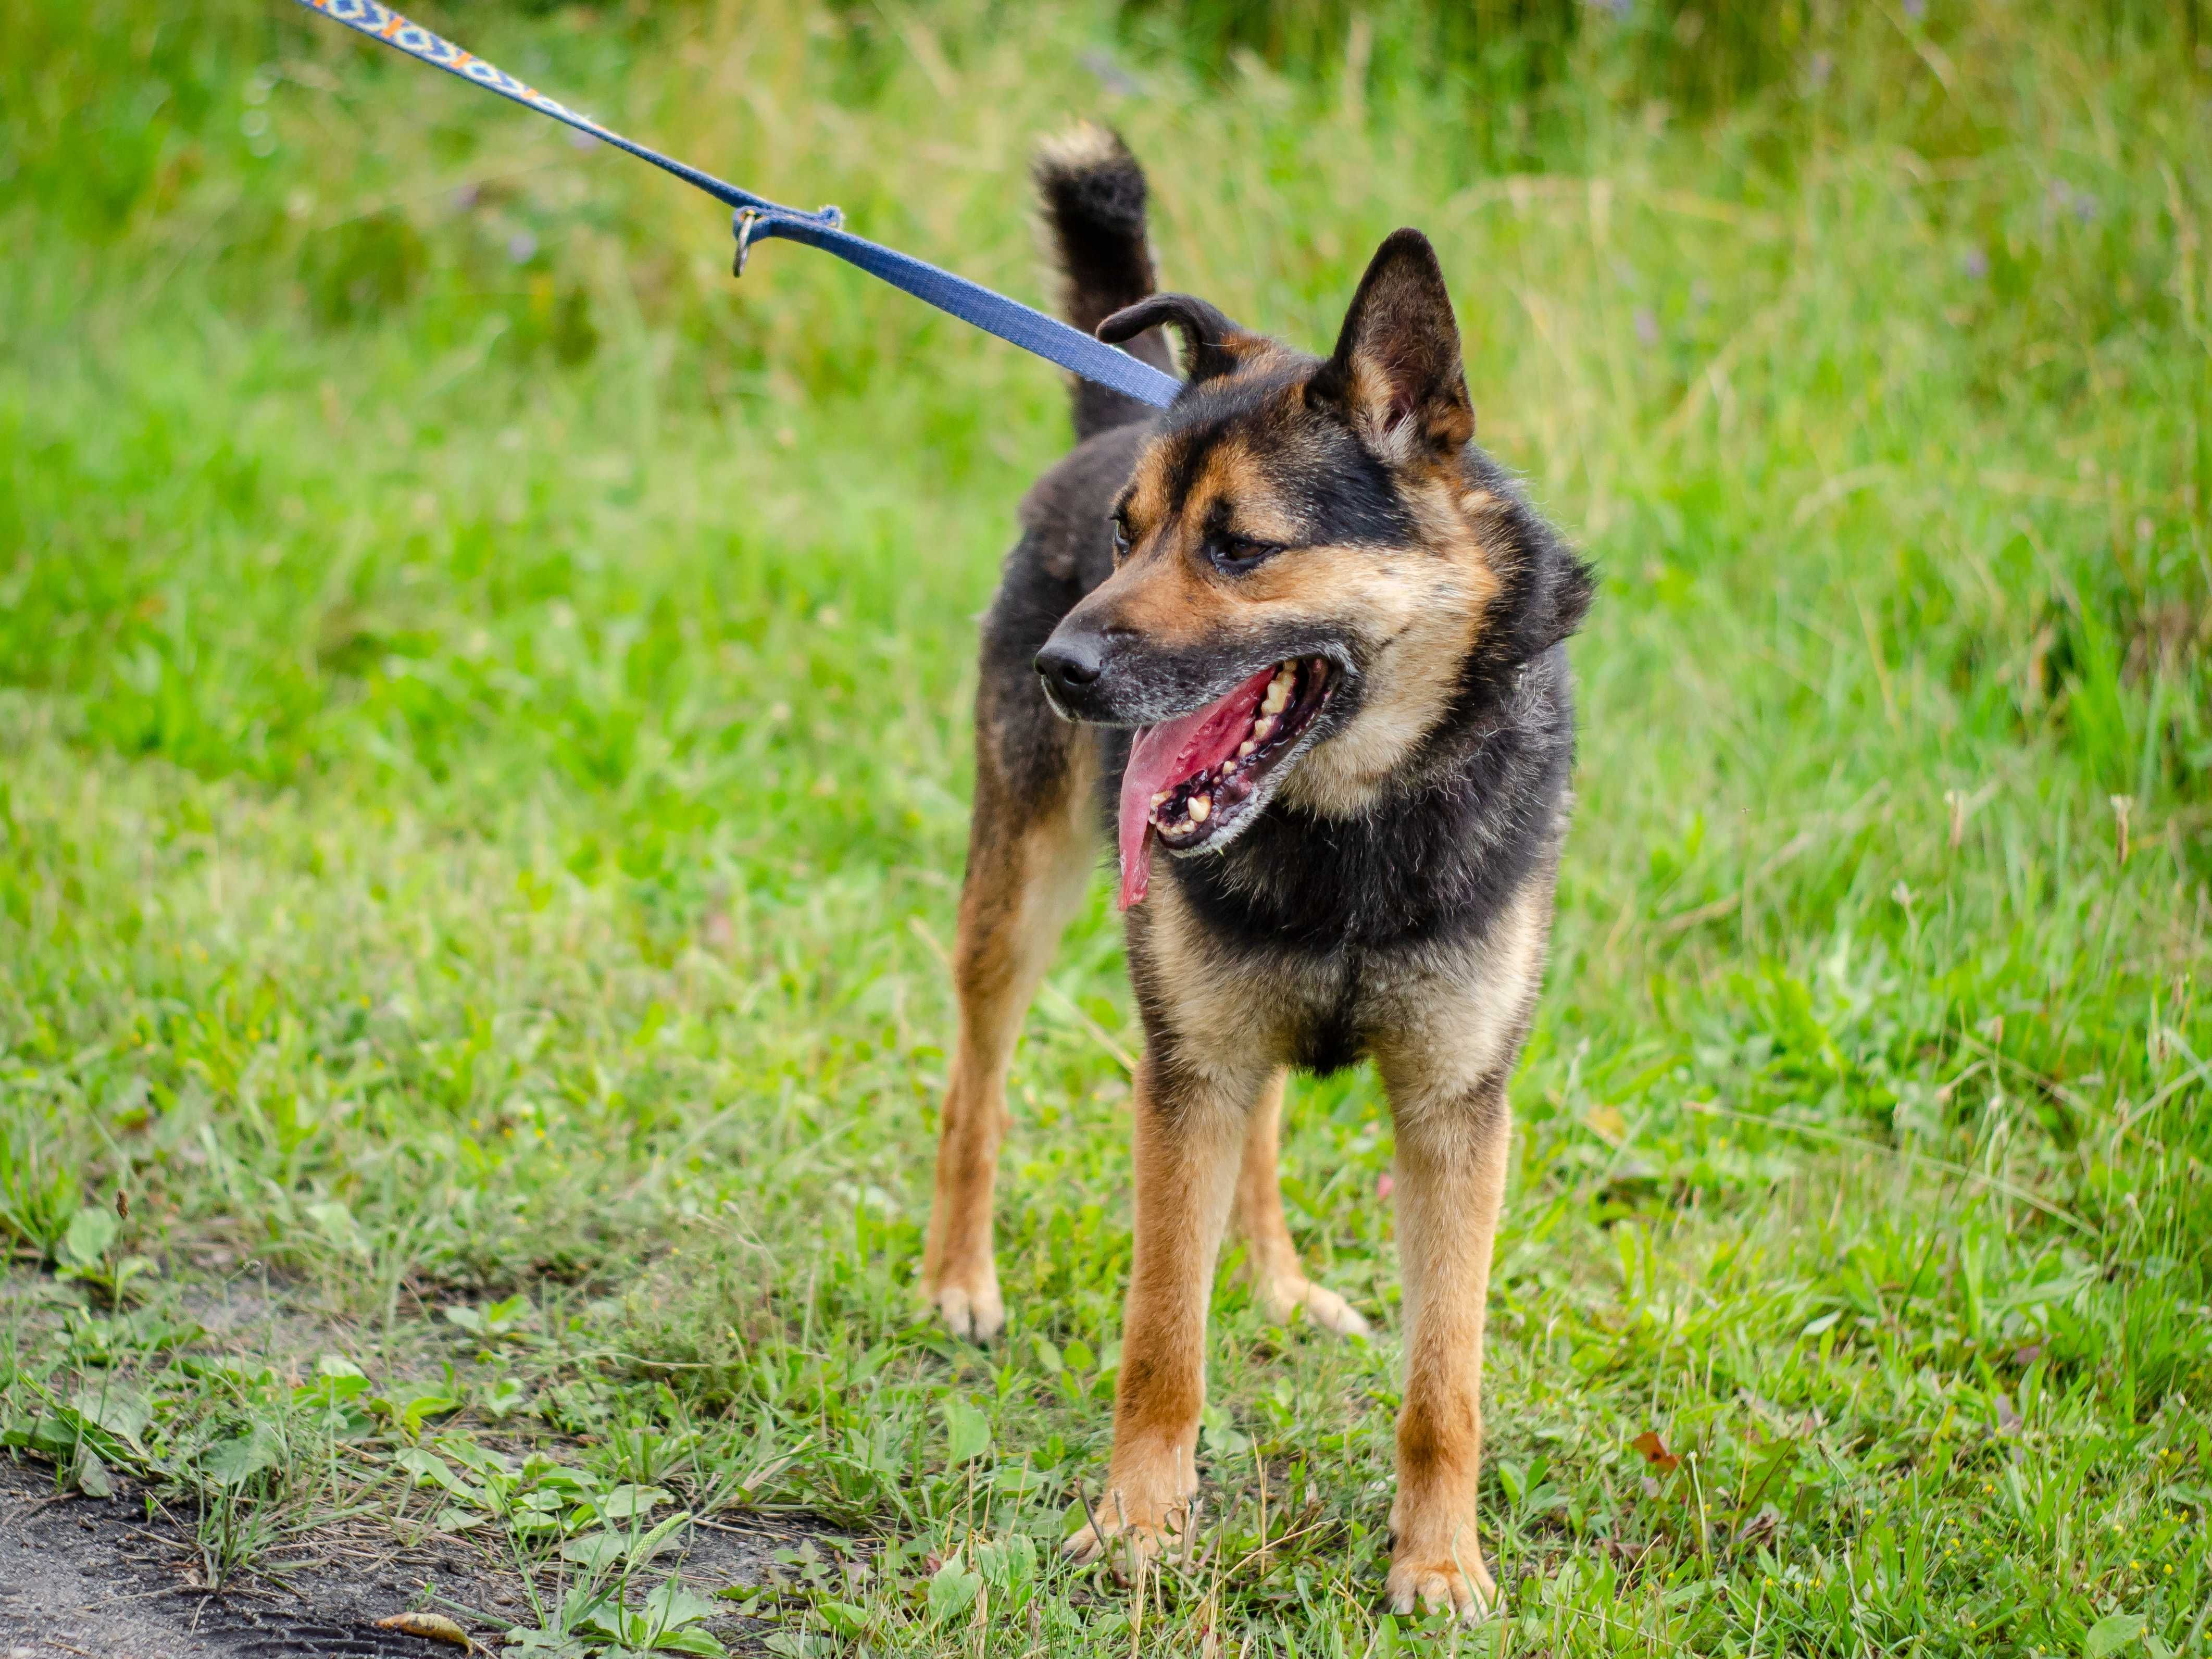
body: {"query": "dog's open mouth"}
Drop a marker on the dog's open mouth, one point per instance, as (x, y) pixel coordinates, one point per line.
(1192, 780)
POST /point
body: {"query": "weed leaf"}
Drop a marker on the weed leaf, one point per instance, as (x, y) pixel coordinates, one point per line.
(235, 1461)
(91, 1231)
(596, 1553)
(842, 1616)
(478, 1459)
(427, 1467)
(2111, 1633)
(335, 1222)
(624, 1503)
(967, 1432)
(951, 1591)
(121, 1412)
(89, 1475)
(411, 1406)
(704, 1643)
(670, 1606)
(544, 1644)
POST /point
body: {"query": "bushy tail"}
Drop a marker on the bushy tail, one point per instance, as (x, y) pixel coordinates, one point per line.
(1092, 194)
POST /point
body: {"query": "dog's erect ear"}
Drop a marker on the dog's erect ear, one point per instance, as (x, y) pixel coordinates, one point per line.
(1211, 344)
(1396, 374)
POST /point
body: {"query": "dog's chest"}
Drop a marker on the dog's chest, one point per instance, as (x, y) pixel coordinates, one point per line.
(1446, 1011)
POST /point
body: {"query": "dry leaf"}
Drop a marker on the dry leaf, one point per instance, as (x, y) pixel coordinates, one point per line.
(2009, 1420)
(1655, 1451)
(430, 1626)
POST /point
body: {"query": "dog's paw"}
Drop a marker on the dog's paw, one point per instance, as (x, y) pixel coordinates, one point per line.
(968, 1303)
(1124, 1537)
(1284, 1297)
(1422, 1584)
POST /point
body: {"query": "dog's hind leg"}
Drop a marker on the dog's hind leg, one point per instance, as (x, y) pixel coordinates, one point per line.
(1271, 1260)
(1028, 860)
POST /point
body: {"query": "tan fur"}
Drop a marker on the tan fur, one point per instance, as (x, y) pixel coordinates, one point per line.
(1190, 1131)
(1080, 148)
(1455, 1020)
(1027, 865)
(1429, 605)
(1457, 1029)
(1450, 1167)
(1445, 1026)
(1162, 594)
(1449, 1024)
(1148, 489)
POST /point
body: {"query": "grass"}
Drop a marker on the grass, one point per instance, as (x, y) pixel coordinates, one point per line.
(485, 721)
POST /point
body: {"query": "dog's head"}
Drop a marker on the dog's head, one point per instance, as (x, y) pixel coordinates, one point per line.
(1308, 558)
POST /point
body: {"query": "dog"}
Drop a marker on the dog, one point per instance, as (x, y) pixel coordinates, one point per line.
(1295, 645)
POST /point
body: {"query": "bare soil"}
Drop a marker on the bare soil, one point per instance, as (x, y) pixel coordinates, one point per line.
(87, 1577)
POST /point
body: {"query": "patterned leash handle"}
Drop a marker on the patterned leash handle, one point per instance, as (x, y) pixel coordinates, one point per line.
(756, 217)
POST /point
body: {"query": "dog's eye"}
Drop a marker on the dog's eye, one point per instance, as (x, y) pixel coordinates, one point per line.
(1233, 552)
(1121, 539)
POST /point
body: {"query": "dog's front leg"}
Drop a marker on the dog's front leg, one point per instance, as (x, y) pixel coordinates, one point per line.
(1452, 1156)
(1189, 1133)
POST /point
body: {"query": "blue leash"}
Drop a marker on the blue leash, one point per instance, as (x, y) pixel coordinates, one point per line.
(758, 218)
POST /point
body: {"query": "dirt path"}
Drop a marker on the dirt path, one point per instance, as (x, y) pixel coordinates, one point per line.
(83, 1577)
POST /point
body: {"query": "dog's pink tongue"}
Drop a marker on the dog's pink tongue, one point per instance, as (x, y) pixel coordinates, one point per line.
(1164, 755)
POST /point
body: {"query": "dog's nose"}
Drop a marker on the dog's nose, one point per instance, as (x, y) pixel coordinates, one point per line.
(1071, 665)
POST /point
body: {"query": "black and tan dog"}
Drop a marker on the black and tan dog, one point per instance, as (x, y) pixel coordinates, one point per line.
(1299, 634)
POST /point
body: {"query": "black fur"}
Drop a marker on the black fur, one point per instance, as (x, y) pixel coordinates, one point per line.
(1208, 337)
(1093, 207)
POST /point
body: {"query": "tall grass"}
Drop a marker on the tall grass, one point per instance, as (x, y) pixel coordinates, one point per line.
(1981, 224)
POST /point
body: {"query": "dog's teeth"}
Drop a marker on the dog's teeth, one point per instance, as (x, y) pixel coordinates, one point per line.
(1245, 749)
(1161, 798)
(1262, 730)
(1198, 807)
(1278, 697)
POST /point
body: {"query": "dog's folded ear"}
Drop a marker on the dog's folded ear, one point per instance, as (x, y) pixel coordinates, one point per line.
(1211, 345)
(1396, 374)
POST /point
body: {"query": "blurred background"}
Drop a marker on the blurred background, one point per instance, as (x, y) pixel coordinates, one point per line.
(1843, 324)
(483, 701)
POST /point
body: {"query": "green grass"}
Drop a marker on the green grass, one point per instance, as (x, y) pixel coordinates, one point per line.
(483, 703)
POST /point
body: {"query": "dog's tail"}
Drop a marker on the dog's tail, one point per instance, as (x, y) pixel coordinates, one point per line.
(1092, 196)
